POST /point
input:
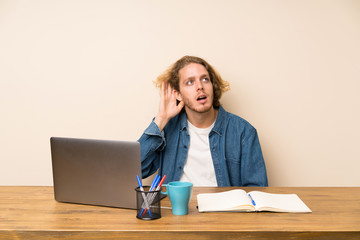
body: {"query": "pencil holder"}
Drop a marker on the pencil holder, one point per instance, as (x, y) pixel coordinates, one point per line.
(148, 204)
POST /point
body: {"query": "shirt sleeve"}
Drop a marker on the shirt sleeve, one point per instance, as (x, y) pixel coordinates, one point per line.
(253, 170)
(152, 142)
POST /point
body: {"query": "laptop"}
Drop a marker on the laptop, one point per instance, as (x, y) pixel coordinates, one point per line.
(95, 172)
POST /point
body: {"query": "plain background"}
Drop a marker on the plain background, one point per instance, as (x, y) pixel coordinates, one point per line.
(79, 68)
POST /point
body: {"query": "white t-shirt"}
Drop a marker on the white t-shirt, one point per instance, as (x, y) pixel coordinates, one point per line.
(199, 167)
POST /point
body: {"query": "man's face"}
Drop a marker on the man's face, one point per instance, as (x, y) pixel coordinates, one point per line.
(196, 89)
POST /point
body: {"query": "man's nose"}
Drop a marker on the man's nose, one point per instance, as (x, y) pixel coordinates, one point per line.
(199, 85)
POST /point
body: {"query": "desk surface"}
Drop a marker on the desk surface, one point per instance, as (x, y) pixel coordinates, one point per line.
(32, 213)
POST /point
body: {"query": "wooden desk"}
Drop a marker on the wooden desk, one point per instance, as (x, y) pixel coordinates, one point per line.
(32, 213)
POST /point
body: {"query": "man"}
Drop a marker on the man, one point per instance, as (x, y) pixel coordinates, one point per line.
(192, 138)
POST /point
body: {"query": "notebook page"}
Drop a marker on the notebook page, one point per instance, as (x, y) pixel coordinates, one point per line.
(278, 202)
(223, 201)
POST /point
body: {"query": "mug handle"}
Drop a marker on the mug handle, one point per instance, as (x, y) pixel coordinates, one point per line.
(166, 193)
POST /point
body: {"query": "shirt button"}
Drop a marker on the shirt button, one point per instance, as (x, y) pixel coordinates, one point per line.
(185, 146)
(180, 167)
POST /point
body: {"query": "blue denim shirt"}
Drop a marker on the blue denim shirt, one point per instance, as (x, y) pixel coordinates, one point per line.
(234, 146)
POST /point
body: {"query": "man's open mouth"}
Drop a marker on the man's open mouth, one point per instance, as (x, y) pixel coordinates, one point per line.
(201, 98)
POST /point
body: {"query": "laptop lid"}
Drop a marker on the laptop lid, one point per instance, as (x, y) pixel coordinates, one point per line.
(95, 172)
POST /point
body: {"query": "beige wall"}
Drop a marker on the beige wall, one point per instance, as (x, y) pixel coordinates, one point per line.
(85, 69)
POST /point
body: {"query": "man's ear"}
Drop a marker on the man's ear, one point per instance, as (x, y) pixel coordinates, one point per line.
(178, 96)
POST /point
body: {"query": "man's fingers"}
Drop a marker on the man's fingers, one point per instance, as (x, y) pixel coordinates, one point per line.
(180, 105)
(163, 88)
(166, 89)
(169, 88)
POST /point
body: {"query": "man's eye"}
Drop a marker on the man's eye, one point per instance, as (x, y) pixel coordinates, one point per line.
(206, 79)
(189, 82)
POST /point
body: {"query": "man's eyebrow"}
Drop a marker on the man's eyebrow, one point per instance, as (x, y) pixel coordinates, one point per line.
(189, 78)
(205, 76)
(193, 77)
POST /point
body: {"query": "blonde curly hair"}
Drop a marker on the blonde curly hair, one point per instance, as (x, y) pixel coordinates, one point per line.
(171, 75)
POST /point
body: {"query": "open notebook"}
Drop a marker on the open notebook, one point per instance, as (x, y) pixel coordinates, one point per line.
(239, 201)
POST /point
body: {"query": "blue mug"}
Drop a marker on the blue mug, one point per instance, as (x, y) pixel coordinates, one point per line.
(179, 194)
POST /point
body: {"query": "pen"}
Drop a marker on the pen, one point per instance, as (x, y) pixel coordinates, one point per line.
(148, 197)
(143, 195)
(161, 182)
(252, 200)
(157, 189)
(155, 182)
(153, 195)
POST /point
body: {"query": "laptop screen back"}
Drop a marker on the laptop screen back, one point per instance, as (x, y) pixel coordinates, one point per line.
(96, 172)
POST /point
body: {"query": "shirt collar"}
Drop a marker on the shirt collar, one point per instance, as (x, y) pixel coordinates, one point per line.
(183, 120)
(218, 127)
